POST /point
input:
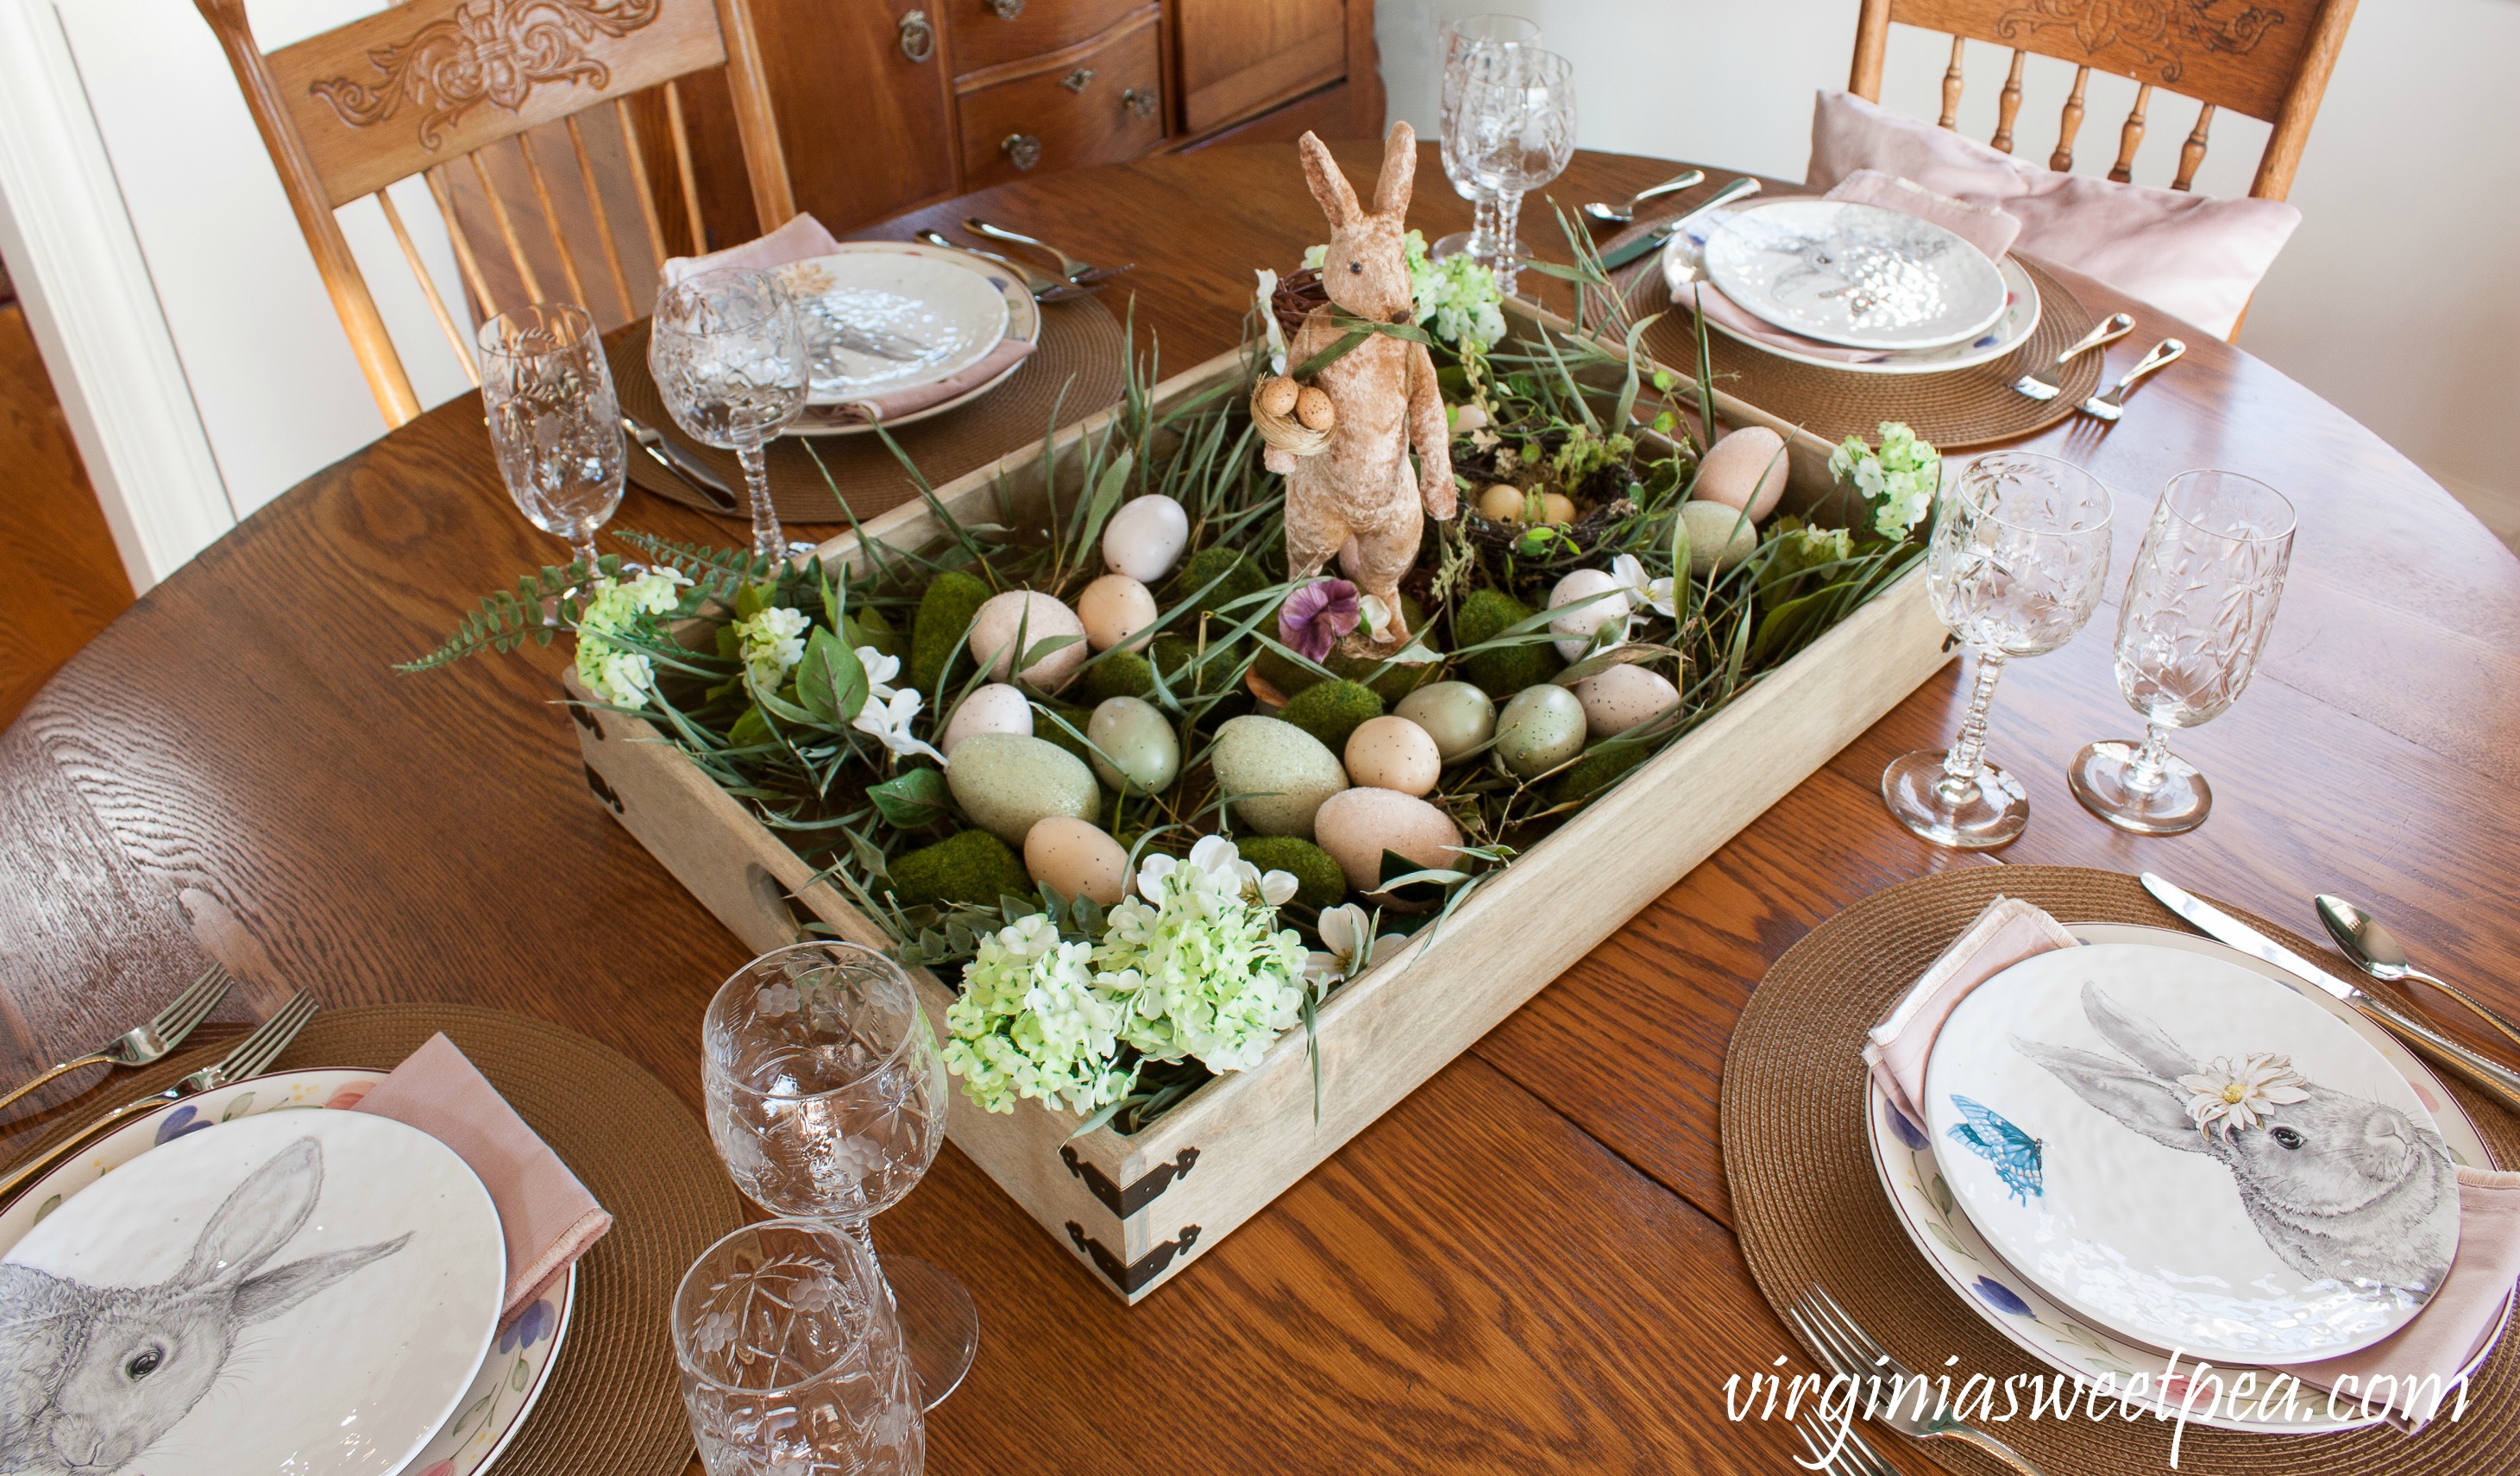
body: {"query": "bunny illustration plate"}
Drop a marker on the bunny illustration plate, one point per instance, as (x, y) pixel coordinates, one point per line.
(310, 1292)
(2191, 1155)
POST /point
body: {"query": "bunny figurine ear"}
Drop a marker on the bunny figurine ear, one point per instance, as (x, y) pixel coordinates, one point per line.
(257, 1218)
(1399, 170)
(1329, 186)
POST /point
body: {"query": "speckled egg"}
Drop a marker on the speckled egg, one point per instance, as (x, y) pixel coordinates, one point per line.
(1144, 539)
(1618, 700)
(1036, 617)
(1391, 752)
(1357, 826)
(1718, 536)
(1315, 408)
(1074, 859)
(1007, 782)
(1114, 608)
(1142, 749)
(1457, 715)
(1575, 628)
(1542, 728)
(1285, 771)
(1278, 395)
(994, 708)
(1500, 502)
(1746, 469)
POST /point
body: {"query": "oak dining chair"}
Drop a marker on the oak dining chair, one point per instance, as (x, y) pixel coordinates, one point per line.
(2269, 62)
(422, 87)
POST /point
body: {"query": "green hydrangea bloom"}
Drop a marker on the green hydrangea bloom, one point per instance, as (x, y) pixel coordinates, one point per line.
(612, 671)
(1897, 482)
(1202, 971)
(1034, 1019)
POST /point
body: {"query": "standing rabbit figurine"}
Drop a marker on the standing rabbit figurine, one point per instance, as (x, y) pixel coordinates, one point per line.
(1357, 499)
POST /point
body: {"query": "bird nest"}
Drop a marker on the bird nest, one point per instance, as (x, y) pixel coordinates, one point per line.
(1546, 546)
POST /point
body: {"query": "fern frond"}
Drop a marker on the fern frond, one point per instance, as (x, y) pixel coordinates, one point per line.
(507, 618)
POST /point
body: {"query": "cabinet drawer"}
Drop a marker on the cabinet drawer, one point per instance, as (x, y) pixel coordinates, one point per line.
(1095, 107)
(993, 32)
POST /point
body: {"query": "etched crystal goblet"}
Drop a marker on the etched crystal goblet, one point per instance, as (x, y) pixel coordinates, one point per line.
(1514, 133)
(554, 422)
(1457, 39)
(726, 350)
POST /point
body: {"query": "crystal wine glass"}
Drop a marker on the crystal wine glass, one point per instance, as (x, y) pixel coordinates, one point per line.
(555, 423)
(1457, 39)
(728, 351)
(2195, 615)
(2019, 551)
(792, 1359)
(1515, 132)
(827, 1100)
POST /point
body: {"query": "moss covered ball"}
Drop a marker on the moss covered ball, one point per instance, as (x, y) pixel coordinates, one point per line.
(1173, 654)
(1331, 710)
(1118, 674)
(1482, 617)
(1594, 772)
(1319, 881)
(975, 866)
(945, 612)
(1242, 577)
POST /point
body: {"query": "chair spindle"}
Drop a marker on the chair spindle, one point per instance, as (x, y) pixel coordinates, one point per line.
(429, 289)
(683, 168)
(1952, 84)
(2193, 153)
(551, 219)
(2070, 122)
(603, 219)
(639, 183)
(507, 230)
(2009, 106)
(2130, 137)
(465, 260)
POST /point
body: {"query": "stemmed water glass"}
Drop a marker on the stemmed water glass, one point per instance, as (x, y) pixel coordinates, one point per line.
(2019, 551)
(827, 1100)
(1514, 132)
(1458, 39)
(2194, 618)
(792, 1359)
(554, 422)
(728, 351)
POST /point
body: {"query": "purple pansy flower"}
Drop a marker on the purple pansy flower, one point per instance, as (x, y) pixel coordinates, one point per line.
(180, 1121)
(1316, 616)
(530, 1328)
(2002, 1298)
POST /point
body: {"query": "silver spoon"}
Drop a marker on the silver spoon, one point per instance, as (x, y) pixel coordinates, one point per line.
(2375, 951)
(1621, 215)
(1044, 287)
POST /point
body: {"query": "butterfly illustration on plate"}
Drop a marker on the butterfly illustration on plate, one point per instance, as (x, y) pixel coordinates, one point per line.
(2015, 1154)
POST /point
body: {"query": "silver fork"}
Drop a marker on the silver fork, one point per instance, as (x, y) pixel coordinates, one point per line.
(2110, 403)
(1851, 1455)
(1044, 287)
(140, 1046)
(250, 1058)
(2049, 382)
(1842, 1343)
(1081, 273)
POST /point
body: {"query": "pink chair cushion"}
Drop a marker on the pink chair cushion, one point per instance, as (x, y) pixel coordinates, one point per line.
(2194, 257)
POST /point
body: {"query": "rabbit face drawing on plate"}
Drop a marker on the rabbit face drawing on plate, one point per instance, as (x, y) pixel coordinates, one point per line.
(91, 1376)
(2339, 1186)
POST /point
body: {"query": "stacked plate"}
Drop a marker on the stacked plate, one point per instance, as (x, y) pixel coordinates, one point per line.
(887, 319)
(2079, 1187)
(302, 1290)
(1841, 284)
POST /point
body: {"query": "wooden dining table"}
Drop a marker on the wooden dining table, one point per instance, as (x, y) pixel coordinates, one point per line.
(1528, 1264)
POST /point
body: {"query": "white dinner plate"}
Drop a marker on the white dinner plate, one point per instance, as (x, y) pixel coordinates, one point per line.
(1023, 322)
(1855, 274)
(2067, 1099)
(309, 1292)
(2014, 1307)
(928, 306)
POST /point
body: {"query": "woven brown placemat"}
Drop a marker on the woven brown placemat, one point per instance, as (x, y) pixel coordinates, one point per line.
(1809, 1208)
(1955, 411)
(612, 1403)
(1078, 370)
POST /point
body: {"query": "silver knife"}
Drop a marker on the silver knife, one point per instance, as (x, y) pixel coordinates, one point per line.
(2486, 1075)
(686, 468)
(1651, 241)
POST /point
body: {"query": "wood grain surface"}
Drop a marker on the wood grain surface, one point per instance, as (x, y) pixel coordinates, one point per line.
(1523, 1267)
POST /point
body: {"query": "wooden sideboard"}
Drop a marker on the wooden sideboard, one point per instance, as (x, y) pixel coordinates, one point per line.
(888, 105)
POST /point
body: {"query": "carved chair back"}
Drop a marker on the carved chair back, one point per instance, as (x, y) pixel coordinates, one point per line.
(2265, 58)
(416, 88)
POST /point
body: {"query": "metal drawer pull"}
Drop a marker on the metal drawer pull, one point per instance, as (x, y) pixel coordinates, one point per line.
(918, 36)
(1022, 149)
(1075, 81)
(1139, 101)
(1007, 9)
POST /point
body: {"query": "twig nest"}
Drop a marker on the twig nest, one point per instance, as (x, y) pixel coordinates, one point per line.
(1719, 537)
(1391, 752)
(1620, 698)
(1575, 629)
(1542, 728)
(1296, 419)
(1034, 617)
(1357, 826)
(1457, 715)
(1076, 859)
(1145, 537)
(1285, 772)
(1114, 609)
(994, 708)
(1007, 783)
(1137, 749)
(1745, 470)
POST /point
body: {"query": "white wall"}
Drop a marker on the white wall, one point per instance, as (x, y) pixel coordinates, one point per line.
(2416, 332)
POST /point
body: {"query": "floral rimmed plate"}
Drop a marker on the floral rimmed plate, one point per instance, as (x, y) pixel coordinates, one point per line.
(1022, 322)
(511, 1379)
(1928, 1211)
(1855, 274)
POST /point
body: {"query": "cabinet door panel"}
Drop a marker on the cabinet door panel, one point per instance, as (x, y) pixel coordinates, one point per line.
(868, 129)
(1240, 57)
(1091, 108)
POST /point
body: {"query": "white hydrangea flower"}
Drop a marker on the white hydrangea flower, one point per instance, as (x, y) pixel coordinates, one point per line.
(621, 676)
(771, 642)
(1195, 959)
(1034, 1020)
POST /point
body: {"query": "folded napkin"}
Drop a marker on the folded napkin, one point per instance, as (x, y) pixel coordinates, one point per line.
(548, 1217)
(797, 239)
(2415, 1363)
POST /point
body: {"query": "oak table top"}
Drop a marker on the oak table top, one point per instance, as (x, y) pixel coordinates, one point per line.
(1526, 1265)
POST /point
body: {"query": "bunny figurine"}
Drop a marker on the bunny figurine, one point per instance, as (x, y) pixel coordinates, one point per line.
(1357, 499)
(91, 1376)
(2338, 1186)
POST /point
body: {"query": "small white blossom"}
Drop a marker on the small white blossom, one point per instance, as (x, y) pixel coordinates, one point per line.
(1347, 935)
(888, 720)
(1657, 594)
(771, 642)
(880, 669)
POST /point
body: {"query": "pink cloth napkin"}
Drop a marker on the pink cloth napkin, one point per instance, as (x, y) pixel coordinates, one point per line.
(548, 1217)
(2422, 1357)
(901, 402)
(795, 241)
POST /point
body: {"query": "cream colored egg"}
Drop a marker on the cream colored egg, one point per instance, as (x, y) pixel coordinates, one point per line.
(1457, 715)
(1575, 629)
(1744, 469)
(1035, 617)
(1074, 857)
(1144, 539)
(1500, 502)
(1357, 826)
(994, 708)
(1719, 536)
(1391, 752)
(1116, 608)
(1556, 508)
(1620, 698)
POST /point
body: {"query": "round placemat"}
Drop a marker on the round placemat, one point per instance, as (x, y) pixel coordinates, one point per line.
(1955, 411)
(1809, 1208)
(1079, 369)
(614, 1403)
